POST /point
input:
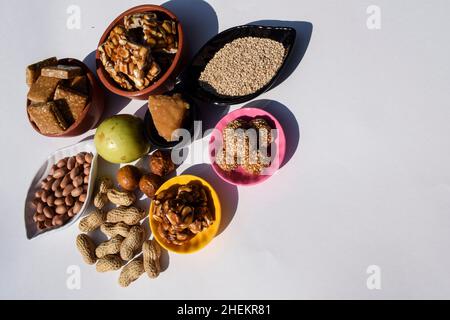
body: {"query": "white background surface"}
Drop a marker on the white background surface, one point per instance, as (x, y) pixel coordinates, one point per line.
(367, 185)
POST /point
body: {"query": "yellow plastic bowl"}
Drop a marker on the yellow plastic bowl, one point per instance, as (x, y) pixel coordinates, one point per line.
(203, 238)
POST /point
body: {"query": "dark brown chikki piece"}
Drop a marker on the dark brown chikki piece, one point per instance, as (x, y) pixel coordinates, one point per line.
(43, 89)
(62, 72)
(34, 71)
(47, 117)
(75, 101)
(79, 84)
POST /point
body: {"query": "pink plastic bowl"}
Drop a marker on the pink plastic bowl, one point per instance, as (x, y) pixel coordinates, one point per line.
(239, 177)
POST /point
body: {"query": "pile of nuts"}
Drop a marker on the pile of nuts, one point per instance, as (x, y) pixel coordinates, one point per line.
(127, 238)
(64, 191)
(182, 212)
(121, 224)
(135, 54)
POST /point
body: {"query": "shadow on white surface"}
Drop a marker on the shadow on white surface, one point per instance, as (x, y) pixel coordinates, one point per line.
(198, 19)
(113, 103)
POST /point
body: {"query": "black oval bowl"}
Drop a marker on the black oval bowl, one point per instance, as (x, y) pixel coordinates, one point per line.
(152, 134)
(189, 78)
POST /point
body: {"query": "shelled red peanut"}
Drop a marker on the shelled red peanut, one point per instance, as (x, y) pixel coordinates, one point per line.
(63, 192)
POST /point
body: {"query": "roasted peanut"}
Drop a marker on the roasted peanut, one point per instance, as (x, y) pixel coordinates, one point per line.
(77, 181)
(132, 243)
(59, 220)
(65, 181)
(121, 198)
(51, 200)
(109, 263)
(61, 163)
(111, 246)
(82, 198)
(152, 255)
(49, 213)
(59, 193)
(44, 196)
(60, 173)
(77, 207)
(131, 272)
(74, 173)
(77, 192)
(128, 215)
(105, 185)
(38, 194)
(100, 200)
(40, 207)
(68, 190)
(114, 229)
(80, 158)
(69, 201)
(87, 248)
(61, 209)
(71, 163)
(88, 158)
(92, 222)
(56, 184)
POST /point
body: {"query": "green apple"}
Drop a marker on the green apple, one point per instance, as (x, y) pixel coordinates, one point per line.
(120, 139)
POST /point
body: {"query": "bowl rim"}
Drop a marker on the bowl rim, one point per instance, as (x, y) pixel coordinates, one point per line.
(217, 207)
(76, 124)
(104, 77)
(280, 144)
(227, 101)
(87, 145)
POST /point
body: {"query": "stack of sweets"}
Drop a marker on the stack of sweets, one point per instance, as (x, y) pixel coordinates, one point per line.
(58, 95)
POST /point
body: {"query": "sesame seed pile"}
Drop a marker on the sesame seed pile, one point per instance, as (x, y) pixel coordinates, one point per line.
(243, 66)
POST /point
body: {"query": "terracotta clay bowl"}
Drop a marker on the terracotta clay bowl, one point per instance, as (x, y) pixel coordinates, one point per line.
(91, 113)
(166, 81)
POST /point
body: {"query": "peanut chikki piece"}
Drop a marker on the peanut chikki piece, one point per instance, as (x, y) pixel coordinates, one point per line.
(159, 35)
(75, 101)
(125, 60)
(79, 84)
(47, 117)
(62, 72)
(34, 71)
(43, 89)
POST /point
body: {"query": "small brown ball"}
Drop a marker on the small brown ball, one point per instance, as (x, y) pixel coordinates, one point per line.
(161, 163)
(149, 184)
(128, 178)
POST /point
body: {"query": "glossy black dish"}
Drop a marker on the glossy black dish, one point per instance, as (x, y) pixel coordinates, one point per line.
(152, 134)
(190, 77)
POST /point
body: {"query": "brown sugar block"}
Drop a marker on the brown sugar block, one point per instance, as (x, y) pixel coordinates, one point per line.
(75, 101)
(62, 72)
(43, 89)
(34, 71)
(168, 113)
(47, 117)
(63, 112)
(80, 84)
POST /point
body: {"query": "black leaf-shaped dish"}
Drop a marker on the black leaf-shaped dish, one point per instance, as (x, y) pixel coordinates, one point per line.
(190, 77)
(152, 134)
